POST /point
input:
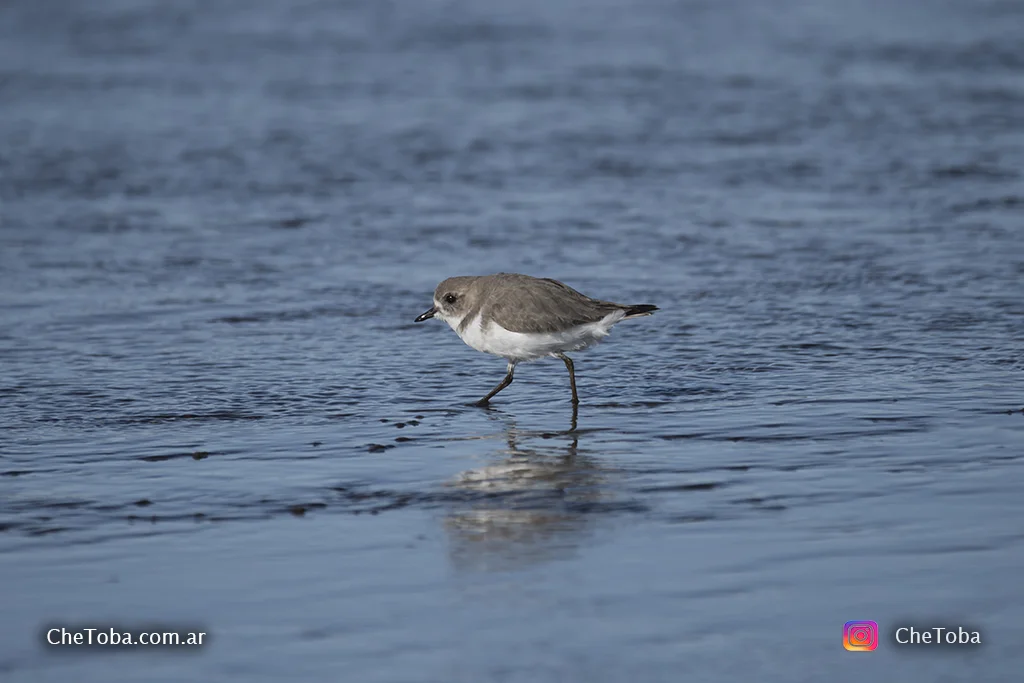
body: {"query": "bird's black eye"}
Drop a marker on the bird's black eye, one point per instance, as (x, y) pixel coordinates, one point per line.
(450, 298)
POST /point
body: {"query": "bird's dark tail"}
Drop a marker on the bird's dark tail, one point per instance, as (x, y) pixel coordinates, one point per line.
(639, 310)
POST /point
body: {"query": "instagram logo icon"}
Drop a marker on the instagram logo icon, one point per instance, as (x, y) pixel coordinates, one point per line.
(860, 636)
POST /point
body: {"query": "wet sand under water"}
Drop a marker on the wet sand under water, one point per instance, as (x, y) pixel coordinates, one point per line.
(218, 224)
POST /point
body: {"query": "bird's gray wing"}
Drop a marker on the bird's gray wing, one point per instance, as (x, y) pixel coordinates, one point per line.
(544, 305)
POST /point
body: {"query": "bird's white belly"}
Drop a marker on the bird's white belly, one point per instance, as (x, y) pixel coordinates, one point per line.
(523, 346)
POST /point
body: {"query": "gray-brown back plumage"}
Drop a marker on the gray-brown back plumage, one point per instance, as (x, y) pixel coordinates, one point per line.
(521, 303)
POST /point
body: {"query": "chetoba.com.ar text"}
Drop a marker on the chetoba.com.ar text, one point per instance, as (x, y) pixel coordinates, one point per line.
(61, 636)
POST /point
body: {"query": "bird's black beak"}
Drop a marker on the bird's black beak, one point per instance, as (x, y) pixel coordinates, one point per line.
(427, 315)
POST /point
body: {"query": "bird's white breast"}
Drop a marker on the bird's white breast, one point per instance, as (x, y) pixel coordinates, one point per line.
(522, 346)
(473, 334)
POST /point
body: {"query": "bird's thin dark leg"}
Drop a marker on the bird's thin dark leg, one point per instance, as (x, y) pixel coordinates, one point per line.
(504, 383)
(572, 376)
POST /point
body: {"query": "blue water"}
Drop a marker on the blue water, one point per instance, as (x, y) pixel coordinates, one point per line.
(218, 221)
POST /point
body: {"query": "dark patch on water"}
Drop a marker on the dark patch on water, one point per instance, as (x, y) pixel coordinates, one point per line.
(195, 455)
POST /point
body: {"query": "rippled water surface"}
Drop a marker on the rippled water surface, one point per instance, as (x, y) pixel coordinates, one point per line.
(218, 221)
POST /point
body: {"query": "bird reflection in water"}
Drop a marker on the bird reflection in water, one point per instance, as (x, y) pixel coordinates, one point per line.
(529, 505)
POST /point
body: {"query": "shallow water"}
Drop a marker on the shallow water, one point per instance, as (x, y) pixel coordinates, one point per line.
(218, 223)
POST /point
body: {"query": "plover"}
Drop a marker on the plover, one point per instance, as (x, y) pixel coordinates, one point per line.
(523, 318)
